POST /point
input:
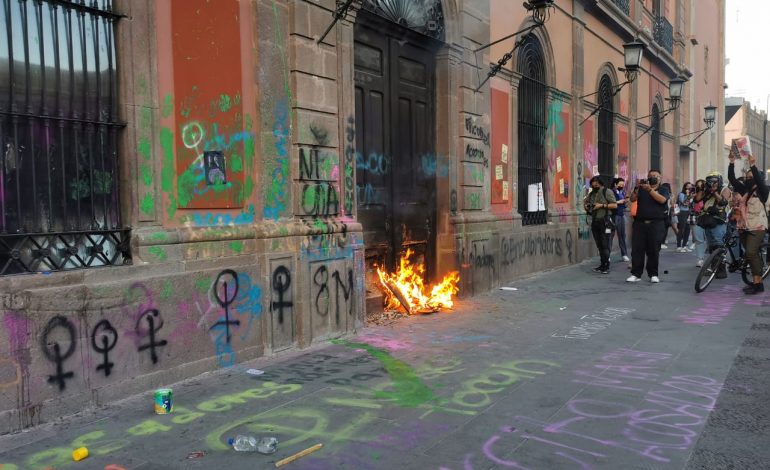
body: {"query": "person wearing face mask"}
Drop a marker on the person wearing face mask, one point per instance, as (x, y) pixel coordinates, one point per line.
(619, 189)
(713, 217)
(683, 203)
(751, 217)
(649, 226)
(698, 232)
(600, 203)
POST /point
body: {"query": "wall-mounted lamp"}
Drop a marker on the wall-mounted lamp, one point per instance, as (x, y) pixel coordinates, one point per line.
(541, 12)
(710, 117)
(675, 89)
(540, 9)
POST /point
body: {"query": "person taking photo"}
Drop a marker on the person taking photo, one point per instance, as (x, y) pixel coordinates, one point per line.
(713, 216)
(649, 226)
(600, 203)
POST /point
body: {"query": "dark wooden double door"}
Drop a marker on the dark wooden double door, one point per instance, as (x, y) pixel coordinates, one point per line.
(396, 163)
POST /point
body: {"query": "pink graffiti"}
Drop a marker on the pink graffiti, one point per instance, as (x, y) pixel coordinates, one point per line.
(18, 328)
(146, 302)
(717, 304)
(390, 344)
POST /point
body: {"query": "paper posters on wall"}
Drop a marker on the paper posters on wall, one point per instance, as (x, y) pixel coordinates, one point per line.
(505, 190)
(499, 172)
(595, 170)
(561, 186)
(558, 164)
(504, 155)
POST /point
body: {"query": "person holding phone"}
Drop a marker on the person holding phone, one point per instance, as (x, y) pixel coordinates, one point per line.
(649, 226)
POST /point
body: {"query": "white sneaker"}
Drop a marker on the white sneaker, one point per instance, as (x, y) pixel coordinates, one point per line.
(654, 279)
(664, 247)
(633, 279)
(626, 258)
(679, 250)
(692, 246)
(699, 263)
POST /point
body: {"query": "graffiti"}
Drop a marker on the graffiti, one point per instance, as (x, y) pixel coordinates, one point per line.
(476, 392)
(594, 323)
(321, 279)
(53, 351)
(104, 337)
(320, 135)
(350, 151)
(14, 301)
(347, 292)
(275, 197)
(319, 199)
(367, 195)
(281, 284)
(317, 165)
(477, 131)
(568, 243)
(227, 300)
(472, 200)
(375, 164)
(621, 369)
(453, 201)
(216, 219)
(476, 154)
(431, 166)
(716, 306)
(481, 260)
(328, 239)
(515, 249)
(154, 324)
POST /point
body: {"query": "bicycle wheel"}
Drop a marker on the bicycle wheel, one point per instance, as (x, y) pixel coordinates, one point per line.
(746, 274)
(709, 269)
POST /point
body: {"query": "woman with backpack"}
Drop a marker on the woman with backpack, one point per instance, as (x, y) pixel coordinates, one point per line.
(682, 211)
(751, 216)
(698, 232)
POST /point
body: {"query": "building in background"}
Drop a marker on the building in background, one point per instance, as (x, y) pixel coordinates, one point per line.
(189, 184)
(744, 120)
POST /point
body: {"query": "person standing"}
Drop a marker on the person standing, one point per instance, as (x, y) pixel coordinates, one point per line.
(698, 232)
(713, 217)
(649, 226)
(599, 203)
(683, 202)
(619, 189)
(751, 217)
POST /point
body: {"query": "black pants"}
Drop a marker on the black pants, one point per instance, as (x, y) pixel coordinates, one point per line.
(647, 237)
(602, 240)
(683, 226)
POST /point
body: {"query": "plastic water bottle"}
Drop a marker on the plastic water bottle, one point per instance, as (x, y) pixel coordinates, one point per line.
(265, 445)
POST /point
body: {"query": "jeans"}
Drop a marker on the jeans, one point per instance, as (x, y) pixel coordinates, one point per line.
(751, 242)
(699, 238)
(715, 236)
(645, 242)
(620, 230)
(683, 227)
(602, 240)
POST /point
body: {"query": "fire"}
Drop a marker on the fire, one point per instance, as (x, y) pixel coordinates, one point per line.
(406, 288)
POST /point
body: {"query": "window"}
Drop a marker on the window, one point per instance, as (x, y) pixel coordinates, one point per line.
(655, 138)
(532, 128)
(606, 129)
(59, 127)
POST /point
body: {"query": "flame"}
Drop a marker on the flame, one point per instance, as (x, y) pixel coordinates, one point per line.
(407, 283)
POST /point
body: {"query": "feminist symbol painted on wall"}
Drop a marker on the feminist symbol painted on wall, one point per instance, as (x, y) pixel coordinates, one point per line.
(154, 324)
(281, 283)
(53, 352)
(227, 300)
(104, 337)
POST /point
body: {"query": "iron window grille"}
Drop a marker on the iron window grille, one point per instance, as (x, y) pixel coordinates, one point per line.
(663, 33)
(424, 16)
(59, 206)
(655, 139)
(532, 126)
(624, 5)
(606, 129)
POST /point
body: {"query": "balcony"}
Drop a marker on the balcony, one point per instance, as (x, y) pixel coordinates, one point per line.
(663, 33)
(624, 5)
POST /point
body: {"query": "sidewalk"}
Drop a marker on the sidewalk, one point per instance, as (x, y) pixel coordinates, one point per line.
(572, 370)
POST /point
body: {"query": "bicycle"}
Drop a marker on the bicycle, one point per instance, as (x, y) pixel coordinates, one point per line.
(719, 258)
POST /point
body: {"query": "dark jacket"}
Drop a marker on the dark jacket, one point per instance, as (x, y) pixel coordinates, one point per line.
(742, 188)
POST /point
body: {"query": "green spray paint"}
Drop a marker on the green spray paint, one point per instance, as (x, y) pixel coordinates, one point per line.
(145, 119)
(159, 236)
(225, 103)
(236, 163)
(168, 106)
(147, 204)
(158, 252)
(203, 285)
(167, 173)
(166, 290)
(144, 148)
(146, 172)
(236, 246)
(408, 390)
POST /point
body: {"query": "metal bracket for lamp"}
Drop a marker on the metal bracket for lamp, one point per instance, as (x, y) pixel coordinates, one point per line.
(340, 13)
(598, 108)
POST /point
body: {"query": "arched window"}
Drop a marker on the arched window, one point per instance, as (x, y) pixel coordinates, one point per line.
(655, 138)
(532, 128)
(606, 129)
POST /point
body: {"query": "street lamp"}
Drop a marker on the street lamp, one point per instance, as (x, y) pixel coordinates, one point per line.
(710, 113)
(541, 10)
(675, 89)
(632, 53)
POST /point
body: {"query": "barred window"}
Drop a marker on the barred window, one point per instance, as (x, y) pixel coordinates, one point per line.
(655, 139)
(606, 129)
(532, 129)
(59, 206)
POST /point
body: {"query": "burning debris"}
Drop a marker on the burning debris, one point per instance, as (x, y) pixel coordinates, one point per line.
(406, 288)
